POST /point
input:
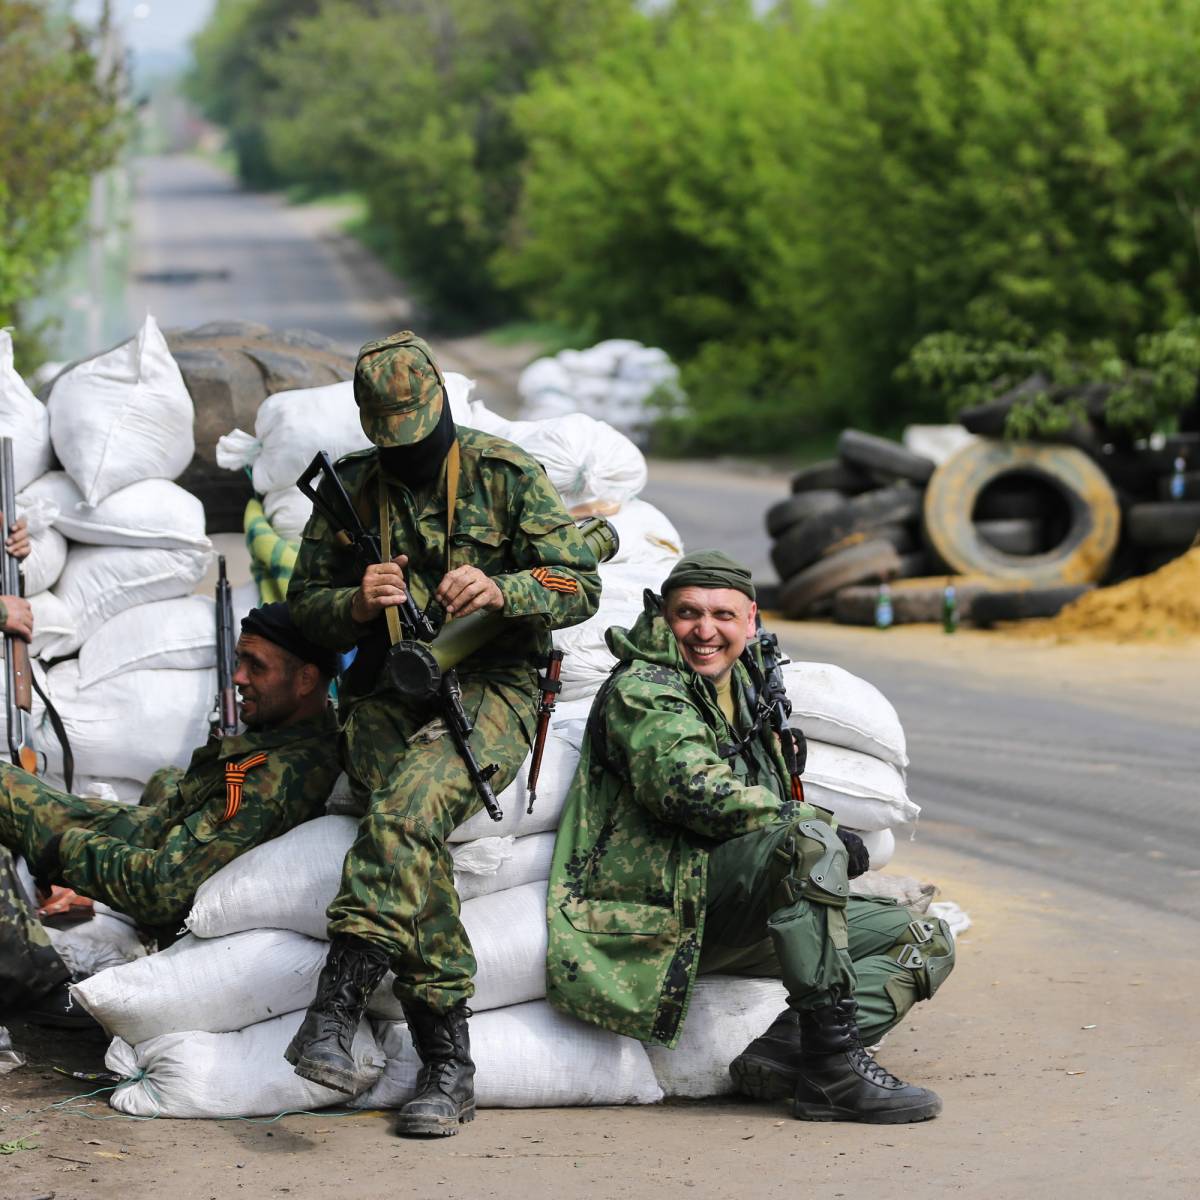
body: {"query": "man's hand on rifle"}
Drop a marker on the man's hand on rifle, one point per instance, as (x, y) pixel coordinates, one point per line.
(466, 590)
(17, 541)
(19, 619)
(382, 587)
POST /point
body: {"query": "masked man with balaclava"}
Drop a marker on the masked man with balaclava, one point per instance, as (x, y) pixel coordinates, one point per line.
(681, 851)
(472, 522)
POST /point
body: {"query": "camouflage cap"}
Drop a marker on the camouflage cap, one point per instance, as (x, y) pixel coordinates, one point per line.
(399, 390)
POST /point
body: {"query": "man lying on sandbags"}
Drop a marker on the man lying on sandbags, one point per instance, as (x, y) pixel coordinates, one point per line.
(147, 860)
(503, 544)
(682, 850)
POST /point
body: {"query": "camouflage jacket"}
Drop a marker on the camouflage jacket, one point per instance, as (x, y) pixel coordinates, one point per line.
(651, 796)
(508, 521)
(236, 793)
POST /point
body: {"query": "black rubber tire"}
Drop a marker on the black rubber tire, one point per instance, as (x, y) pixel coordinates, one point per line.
(1017, 535)
(915, 565)
(1191, 487)
(1154, 560)
(229, 369)
(883, 458)
(831, 475)
(766, 595)
(914, 602)
(1093, 524)
(782, 516)
(904, 539)
(806, 541)
(1008, 500)
(803, 593)
(1020, 605)
(1166, 525)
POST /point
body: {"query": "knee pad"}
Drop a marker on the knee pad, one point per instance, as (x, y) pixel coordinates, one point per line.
(926, 949)
(819, 864)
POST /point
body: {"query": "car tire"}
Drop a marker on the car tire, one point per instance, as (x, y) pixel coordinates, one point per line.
(883, 458)
(805, 592)
(989, 607)
(782, 516)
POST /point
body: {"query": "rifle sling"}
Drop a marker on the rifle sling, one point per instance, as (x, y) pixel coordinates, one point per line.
(60, 732)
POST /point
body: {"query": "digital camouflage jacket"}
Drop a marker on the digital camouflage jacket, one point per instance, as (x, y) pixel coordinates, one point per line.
(651, 796)
(236, 793)
(508, 521)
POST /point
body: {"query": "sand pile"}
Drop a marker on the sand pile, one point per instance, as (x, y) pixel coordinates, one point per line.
(1163, 606)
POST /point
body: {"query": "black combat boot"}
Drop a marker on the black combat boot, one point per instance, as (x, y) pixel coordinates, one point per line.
(321, 1049)
(839, 1081)
(445, 1096)
(767, 1068)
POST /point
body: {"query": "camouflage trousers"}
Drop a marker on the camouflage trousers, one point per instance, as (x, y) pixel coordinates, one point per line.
(397, 886)
(29, 964)
(757, 923)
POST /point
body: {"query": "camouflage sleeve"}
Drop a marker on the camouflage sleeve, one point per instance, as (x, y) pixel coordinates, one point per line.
(556, 577)
(156, 886)
(673, 763)
(319, 602)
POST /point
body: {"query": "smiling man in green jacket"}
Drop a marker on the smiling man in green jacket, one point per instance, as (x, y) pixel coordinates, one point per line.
(680, 852)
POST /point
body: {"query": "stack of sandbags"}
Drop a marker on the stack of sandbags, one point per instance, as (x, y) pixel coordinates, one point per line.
(118, 550)
(620, 381)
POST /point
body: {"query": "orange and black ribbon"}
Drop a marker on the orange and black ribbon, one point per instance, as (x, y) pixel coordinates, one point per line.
(555, 581)
(235, 776)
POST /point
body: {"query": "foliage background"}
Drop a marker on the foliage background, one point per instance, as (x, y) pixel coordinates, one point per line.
(829, 213)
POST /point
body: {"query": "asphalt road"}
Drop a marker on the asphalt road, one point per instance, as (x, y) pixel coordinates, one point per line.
(1023, 770)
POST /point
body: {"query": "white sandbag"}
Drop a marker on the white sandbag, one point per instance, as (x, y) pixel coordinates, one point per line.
(937, 442)
(151, 512)
(213, 985)
(587, 460)
(23, 417)
(508, 934)
(125, 791)
(238, 1074)
(47, 547)
(881, 846)
(122, 417)
(726, 1013)
(53, 623)
(177, 634)
(587, 659)
(561, 756)
(862, 792)
(647, 536)
(525, 860)
(129, 725)
(100, 581)
(527, 1056)
(288, 509)
(544, 375)
(289, 881)
(108, 939)
(833, 706)
(599, 361)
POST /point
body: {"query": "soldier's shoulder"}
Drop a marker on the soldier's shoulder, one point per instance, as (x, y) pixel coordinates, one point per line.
(642, 675)
(498, 449)
(355, 462)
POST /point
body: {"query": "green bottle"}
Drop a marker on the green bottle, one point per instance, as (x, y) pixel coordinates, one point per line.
(883, 607)
(949, 608)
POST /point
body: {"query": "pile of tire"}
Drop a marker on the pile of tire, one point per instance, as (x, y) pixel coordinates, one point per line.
(852, 520)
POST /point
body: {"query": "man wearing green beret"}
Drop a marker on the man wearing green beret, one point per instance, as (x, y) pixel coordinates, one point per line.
(471, 522)
(682, 851)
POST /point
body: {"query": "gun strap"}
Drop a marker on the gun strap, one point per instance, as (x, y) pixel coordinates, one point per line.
(60, 732)
(453, 464)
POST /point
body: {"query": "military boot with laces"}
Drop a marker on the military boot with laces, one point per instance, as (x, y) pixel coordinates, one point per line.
(445, 1096)
(839, 1081)
(321, 1051)
(767, 1068)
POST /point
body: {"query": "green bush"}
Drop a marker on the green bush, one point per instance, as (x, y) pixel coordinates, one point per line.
(59, 125)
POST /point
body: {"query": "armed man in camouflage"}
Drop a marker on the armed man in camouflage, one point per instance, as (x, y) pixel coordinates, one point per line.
(503, 543)
(147, 860)
(681, 851)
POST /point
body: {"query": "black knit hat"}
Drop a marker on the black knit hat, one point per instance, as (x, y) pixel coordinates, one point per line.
(274, 622)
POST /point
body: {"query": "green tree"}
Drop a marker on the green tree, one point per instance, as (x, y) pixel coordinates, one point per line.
(59, 125)
(413, 110)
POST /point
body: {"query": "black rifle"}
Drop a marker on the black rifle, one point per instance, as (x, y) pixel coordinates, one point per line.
(350, 531)
(773, 699)
(418, 625)
(227, 717)
(18, 678)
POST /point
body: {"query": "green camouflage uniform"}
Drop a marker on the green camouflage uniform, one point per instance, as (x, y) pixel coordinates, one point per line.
(29, 964)
(672, 860)
(397, 882)
(147, 860)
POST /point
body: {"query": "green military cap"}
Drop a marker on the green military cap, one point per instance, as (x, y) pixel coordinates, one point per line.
(709, 569)
(399, 390)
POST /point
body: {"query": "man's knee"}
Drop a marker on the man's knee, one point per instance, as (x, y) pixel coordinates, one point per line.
(925, 952)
